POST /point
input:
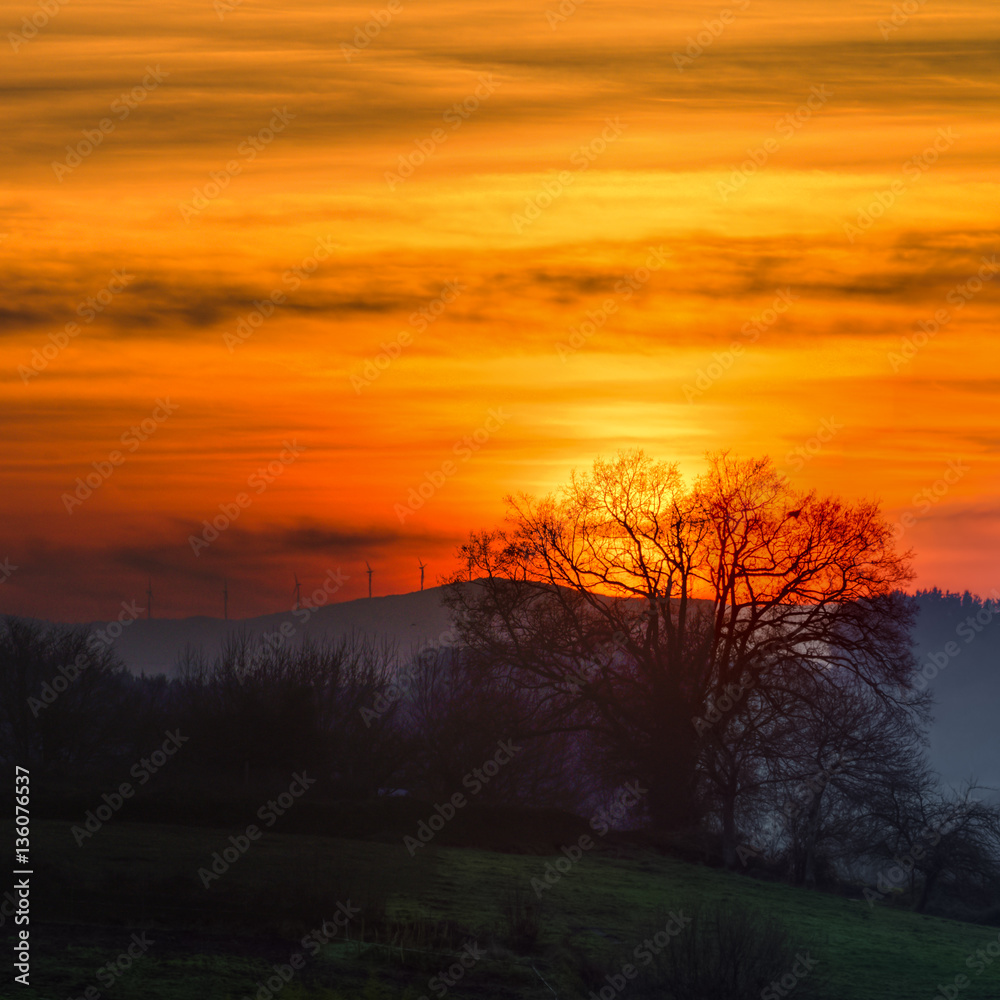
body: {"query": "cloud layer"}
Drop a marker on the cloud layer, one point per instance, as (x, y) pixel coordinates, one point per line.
(625, 226)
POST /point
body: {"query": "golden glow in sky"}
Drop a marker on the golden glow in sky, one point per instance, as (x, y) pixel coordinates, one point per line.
(328, 260)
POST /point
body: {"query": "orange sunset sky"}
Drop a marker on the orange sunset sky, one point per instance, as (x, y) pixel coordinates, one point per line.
(174, 163)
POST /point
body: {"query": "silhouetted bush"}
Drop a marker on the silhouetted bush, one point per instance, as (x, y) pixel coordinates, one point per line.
(729, 952)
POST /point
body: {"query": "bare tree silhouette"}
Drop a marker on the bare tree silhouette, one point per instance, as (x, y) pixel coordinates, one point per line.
(662, 602)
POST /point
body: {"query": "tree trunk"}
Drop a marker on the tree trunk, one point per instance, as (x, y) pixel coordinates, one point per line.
(670, 764)
(798, 861)
(671, 803)
(930, 878)
(729, 835)
(812, 835)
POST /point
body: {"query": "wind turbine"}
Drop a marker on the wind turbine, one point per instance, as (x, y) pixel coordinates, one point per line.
(422, 568)
(225, 599)
(149, 598)
(370, 571)
(297, 590)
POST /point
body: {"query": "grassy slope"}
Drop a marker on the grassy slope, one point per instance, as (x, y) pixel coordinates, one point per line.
(217, 943)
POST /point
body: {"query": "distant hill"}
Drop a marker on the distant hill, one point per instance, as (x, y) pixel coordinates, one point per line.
(965, 739)
(959, 655)
(153, 646)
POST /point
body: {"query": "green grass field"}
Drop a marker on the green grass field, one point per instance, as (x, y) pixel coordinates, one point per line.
(220, 943)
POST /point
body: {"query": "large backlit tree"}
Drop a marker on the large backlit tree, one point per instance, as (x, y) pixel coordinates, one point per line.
(641, 608)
